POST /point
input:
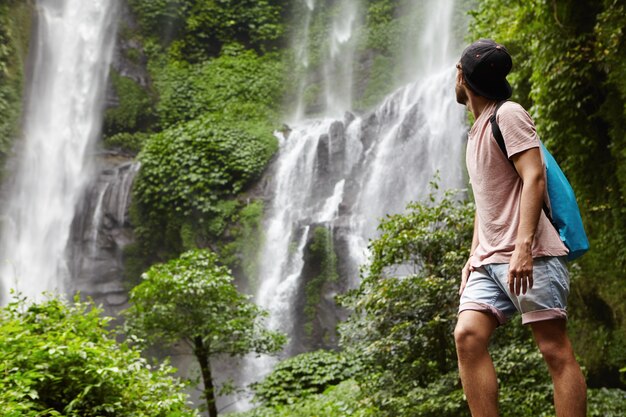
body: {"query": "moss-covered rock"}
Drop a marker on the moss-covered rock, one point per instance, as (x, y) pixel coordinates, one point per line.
(15, 29)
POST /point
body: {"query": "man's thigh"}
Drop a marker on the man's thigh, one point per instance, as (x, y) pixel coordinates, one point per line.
(484, 293)
(547, 299)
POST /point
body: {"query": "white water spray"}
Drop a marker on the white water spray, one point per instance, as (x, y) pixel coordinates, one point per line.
(74, 46)
(338, 65)
(371, 167)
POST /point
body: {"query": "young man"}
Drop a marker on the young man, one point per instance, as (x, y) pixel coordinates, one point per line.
(517, 260)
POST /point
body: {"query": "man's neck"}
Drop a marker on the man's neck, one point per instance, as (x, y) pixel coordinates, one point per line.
(477, 104)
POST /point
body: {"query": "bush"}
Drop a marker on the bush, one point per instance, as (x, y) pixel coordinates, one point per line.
(128, 142)
(188, 174)
(203, 27)
(60, 359)
(135, 109)
(343, 400)
(607, 402)
(238, 86)
(302, 376)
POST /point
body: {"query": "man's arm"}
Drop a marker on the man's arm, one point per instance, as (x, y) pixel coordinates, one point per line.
(468, 267)
(530, 168)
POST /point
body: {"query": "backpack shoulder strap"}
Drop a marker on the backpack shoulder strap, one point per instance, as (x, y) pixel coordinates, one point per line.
(495, 129)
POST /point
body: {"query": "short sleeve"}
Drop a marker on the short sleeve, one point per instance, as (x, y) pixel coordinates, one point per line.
(517, 127)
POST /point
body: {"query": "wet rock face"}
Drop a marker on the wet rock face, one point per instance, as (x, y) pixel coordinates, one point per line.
(129, 59)
(316, 312)
(128, 46)
(330, 161)
(100, 232)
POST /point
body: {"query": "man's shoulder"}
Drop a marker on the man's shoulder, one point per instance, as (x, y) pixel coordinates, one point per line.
(511, 107)
(511, 112)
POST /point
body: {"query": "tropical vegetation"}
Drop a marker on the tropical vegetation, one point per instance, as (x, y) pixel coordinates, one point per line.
(219, 75)
(61, 359)
(191, 299)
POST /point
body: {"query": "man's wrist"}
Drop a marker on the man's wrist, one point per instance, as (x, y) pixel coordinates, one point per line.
(524, 244)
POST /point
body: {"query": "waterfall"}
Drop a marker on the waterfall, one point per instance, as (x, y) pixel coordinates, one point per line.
(53, 163)
(345, 172)
(301, 47)
(338, 65)
(99, 233)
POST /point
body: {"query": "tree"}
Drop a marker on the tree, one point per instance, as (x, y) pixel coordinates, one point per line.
(302, 376)
(404, 310)
(193, 299)
(61, 359)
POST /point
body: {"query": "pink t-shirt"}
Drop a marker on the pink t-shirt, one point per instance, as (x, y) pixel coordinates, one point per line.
(497, 187)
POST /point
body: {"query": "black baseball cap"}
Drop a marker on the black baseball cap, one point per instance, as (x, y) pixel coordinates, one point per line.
(485, 65)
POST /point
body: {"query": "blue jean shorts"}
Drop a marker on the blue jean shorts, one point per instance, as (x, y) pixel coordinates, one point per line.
(487, 291)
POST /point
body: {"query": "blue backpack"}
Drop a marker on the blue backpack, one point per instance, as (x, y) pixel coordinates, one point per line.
(563, 210)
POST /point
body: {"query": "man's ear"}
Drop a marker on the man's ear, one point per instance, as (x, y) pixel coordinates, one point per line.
(459, 78)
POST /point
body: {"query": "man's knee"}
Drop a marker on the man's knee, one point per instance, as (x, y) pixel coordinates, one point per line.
(556, 353)
(469, 338)
(472, 333)
(555, 346)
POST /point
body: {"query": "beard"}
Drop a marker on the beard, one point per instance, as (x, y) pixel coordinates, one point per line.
(461, 94)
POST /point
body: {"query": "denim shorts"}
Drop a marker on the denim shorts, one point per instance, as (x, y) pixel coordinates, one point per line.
(487, 290)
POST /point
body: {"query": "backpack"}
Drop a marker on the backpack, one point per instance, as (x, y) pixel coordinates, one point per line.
(561, 209)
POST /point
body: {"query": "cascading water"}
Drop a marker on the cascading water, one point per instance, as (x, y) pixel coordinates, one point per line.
(99, 233)
(338, 63)
(345, 172)
(73, 49)
(301, 48)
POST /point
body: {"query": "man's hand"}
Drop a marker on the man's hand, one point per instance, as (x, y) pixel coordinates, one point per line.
(465, 274)
(520, 277)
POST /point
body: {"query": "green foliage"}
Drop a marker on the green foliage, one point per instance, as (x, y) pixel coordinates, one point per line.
(606, 402)
(188, 168)
(219, 117)
(402, 330)
(15, 22)
(302, 376)
(405, 309)
(237, 86)
(322, 255)
(525, 384)
(380, 78)
(218, 87)
(135, 109)
(202, 27)
(128, 142)
(60, 359)
(188, 174)
(429, 239)
(380, 25)
(343, 400)
(192, 298)
(247, 237)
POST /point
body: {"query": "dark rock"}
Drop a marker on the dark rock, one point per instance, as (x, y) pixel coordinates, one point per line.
(348, 118)
(369, 131)
(100, 232)
(318, 332)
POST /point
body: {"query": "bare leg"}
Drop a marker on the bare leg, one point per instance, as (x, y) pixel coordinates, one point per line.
(472, 334)
(570, 390)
